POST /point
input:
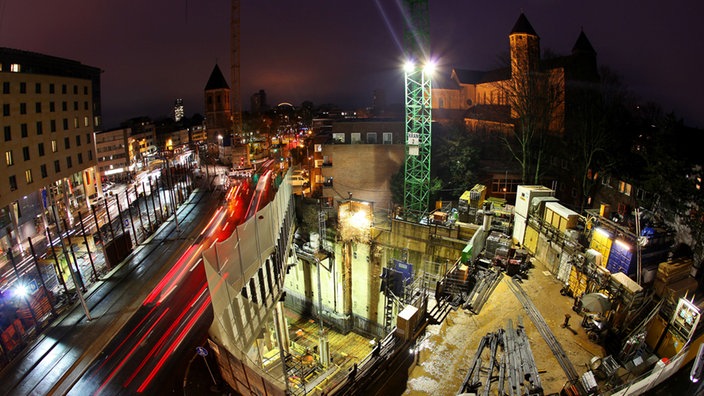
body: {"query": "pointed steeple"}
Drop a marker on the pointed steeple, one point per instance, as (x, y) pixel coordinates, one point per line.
(522, 26)
(216, 80)
(582, 45)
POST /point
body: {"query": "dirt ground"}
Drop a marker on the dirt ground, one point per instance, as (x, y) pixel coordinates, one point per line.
(447, 350)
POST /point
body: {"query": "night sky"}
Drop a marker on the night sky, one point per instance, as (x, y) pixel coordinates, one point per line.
(334, 51)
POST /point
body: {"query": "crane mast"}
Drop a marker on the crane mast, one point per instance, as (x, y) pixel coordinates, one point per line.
(235, 67)
(416, 188)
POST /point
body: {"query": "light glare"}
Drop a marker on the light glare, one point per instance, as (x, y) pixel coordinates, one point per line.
(409, 66)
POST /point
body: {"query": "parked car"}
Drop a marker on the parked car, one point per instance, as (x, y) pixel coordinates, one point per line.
(299, 181)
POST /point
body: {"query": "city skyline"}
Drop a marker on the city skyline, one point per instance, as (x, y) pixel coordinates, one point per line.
(154, 52)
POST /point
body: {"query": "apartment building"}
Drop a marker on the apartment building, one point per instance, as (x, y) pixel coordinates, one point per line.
(50, 110)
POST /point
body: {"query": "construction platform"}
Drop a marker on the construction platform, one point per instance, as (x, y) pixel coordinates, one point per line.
(447, 350)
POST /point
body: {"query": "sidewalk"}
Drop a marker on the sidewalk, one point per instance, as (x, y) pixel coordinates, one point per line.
(20, 325)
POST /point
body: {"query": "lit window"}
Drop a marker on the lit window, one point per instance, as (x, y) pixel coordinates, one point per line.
(28, 176)
(388, 138)
(15, 67)
(8, 158)
(624, 188)
(356, 138)
(54, 147)
(338, 137)
(85, 121)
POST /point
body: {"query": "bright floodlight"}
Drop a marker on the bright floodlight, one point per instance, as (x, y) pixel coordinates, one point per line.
(21, 290)
(429, 68)
(409, 66)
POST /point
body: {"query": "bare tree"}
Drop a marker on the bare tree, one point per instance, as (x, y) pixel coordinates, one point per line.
(594, 122)
(536, 100)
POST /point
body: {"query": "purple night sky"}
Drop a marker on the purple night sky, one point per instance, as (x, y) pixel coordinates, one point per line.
(155, 51)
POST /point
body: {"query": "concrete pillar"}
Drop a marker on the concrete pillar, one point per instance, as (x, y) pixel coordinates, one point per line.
(14, 217)
(347, 279)
(281, 325)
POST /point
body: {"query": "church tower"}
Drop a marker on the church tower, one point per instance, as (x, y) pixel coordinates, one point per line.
(218, 112)
(525, 48)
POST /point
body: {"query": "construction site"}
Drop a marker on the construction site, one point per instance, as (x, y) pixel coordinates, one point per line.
(479, 296)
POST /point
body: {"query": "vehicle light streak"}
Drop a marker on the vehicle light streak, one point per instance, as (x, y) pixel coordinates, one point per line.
(163, 339)
(215, 215)
(123, 361)
(171, 277)
(191, 322)
(134, 329)
(195, 265)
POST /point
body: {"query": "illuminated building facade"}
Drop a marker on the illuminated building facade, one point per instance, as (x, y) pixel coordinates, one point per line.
(50, 110)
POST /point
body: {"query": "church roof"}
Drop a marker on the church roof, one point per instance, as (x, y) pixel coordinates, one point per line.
(522, 26)
(582, 44)
(216, 80)
(465, 76)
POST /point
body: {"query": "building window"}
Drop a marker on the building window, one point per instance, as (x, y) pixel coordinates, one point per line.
(6, 87)
(40, 148)
(23, 108)
(85, 105)
(80, 158)
(64, 106)
(75, 106)
(355, 138)
(51, 88)
(63, 89)
(42, 168)
(52, 107)
(57, 166)
(13, 183)
(75, 89)
(85, 90)
(75, 122)
(23, 130)
(52, 125)
(624, 188)
(23, 87)
(88, 138)
(40, 128)
(371, 137)
(69, 162)
(38, 88)
(85, 121)
(388, 138)
(78, 140)
(338, 138)
(15, 68)
(90, 155)
(641, 194)
(8, 158)
(6, 109)
(28, 176)
(25, 153)
(38, 107)
(8, 133)
(67, 143)
(54, 146)
(65, 124)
